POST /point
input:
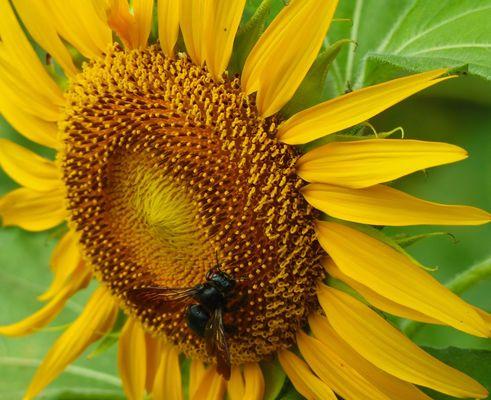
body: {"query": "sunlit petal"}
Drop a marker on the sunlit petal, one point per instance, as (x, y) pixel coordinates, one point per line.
(305, 382)
(346, 111)
(27, 168)
(168, 383)
(39, 23)
(391, 274)
(235, 386)
(132, 360)
(168, 14)
(33, 210)
(194, 17)
(79, 23)
(364, 163)
(375, 298)
(389, 385)
(196, 374)
(221, 34)
(19, 52)
(383, 205)
(211, 387)
(253, 382)
(283, 55)
(380, 343)
(333, 370)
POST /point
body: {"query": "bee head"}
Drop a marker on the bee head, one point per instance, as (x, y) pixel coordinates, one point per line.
(223, 281)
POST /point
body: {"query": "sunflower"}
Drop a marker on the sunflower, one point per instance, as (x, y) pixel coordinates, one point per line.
(168, 165)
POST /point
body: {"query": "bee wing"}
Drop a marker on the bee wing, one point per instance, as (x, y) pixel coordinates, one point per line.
(216, 343)
(162, 298)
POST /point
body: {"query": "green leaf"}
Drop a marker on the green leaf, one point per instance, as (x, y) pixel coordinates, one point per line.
(406, 241)
(292, 395)
(185, 374)
(475, 363)
(274, 379)
(395, 37)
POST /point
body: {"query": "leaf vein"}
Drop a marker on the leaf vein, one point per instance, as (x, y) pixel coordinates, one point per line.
(354, 36)
(451, 46)
(439, 25)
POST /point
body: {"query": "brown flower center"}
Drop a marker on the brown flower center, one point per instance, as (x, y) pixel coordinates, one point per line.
(164, 169)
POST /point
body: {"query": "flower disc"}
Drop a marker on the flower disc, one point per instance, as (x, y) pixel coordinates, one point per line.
(166, 171)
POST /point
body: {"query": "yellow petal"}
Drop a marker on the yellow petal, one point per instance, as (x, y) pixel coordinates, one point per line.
(392, 275)
(132, 360)
(38, 22)
(168, 14)
(121, 21)
(154, 356)
(45, 315)
(168, 385)
(383, 205)
(194, 18)
(352, 108)
(302, 378)
(196, 374)
(235, 386)
(364, 163)
(485, 316)
(32, 210)
(143, 13)
(211, 387)
(95, 321)
(33, 128)
(19, 52)
(285, 52)
(27, 168)
(333, 370)
(374, 298)
(221, 32)
(254, 381)
(65, 259)
(21, 95)
(79, 23)
(380, 343)
(132, 26)
(387, 384)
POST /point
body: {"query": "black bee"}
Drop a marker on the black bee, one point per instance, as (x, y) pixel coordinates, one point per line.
(205, 317)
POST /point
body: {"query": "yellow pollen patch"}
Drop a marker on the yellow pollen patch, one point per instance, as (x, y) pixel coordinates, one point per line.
(164, 168)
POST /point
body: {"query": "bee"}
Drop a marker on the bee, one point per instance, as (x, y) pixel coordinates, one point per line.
(207, 302)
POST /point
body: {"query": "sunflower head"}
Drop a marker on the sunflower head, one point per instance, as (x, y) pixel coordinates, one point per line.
(166, 170)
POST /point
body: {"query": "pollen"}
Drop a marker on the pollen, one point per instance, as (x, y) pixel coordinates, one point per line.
(167, 172)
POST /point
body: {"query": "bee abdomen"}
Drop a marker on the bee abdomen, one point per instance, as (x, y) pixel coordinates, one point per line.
(197, 318)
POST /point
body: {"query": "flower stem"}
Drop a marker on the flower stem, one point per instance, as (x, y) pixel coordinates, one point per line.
(459, 284)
